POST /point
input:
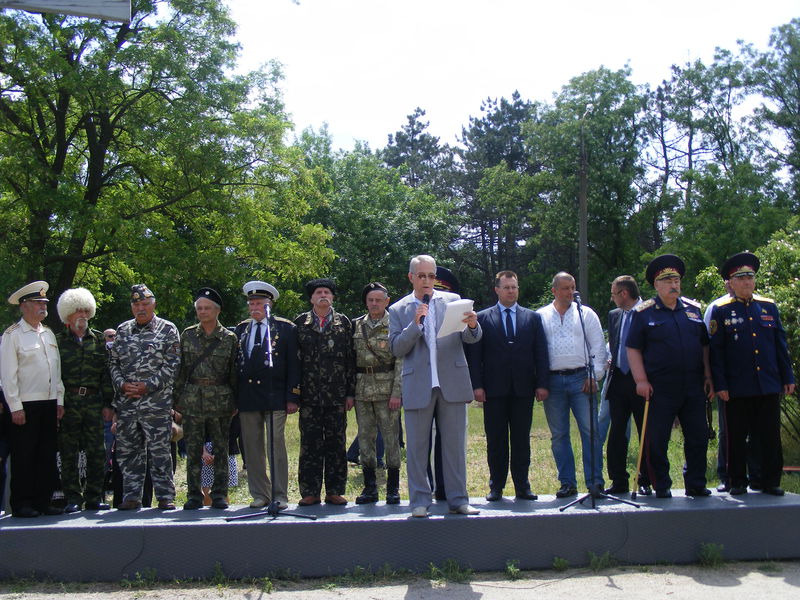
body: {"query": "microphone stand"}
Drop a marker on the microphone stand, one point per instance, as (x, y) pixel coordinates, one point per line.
(273, 509)
(594, 493)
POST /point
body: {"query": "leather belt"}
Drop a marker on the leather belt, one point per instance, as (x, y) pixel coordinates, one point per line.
(568, 371)
(83, 391)
(373, 370)
(205, 381)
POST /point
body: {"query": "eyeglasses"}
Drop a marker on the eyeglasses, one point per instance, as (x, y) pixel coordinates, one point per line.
(425, 275)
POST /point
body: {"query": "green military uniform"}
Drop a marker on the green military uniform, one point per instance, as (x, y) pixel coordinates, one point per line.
(87, 391)
(328, 377)
(377, 380)
(204, 392)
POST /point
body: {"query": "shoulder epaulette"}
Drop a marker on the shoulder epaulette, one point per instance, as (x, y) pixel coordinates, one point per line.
(762, 298)
(12, 328)
(190, 327)
(645, 304)
(727, 300)
(243, 322)
(691, 302)
(361, 318)
(283, 320)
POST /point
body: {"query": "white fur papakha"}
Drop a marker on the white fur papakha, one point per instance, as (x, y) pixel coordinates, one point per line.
(75, 299)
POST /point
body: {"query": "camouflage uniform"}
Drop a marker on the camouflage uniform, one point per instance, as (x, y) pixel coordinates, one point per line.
(377, 380)
(205, 398)
(328, 377)
(84, 372)
(148, 353)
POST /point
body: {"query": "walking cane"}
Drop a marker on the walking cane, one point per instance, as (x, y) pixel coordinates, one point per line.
(641, 449)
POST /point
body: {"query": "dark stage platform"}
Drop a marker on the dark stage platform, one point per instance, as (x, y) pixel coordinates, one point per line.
(113, 545)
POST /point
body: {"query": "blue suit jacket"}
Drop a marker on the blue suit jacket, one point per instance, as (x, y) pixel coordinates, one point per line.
(504, 369)
(407, 342)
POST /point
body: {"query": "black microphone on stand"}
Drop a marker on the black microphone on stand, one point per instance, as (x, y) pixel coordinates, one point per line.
(577, 297)
(426, 299)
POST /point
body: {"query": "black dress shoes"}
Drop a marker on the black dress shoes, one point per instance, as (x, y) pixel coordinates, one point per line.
(98, 506)
(192, 504)
(723, 486)
(72, 508)
(773, 491)
(219, 503)
(618, 488)
(698, 492)
(645, 490)
(737, 490)
(663, 494)
(494, 496)
(26, 512)
(526, 495)
(566, 490)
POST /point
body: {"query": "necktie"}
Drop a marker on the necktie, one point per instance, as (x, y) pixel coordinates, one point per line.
(429, 328)
(257, 339)
(509, 327)
(623, 337)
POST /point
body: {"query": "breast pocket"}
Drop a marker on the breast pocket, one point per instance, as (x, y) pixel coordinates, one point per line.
(656, 331)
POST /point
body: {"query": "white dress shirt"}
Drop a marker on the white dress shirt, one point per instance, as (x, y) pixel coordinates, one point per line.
(565, 339)
(30, 365)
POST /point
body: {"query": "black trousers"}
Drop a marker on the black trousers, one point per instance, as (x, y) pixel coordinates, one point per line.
(623, 401)
(33, 456)
(760, 417)
(507, 422)
(688, 403)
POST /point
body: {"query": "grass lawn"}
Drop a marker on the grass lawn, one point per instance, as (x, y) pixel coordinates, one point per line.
(542, 471)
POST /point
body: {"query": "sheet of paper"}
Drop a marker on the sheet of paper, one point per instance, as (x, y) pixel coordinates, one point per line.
(454, 317)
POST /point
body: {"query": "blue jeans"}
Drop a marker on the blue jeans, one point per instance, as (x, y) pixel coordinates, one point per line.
(566, 393)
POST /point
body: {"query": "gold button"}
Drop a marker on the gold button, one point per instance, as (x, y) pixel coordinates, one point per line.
(751, 318)
(258, 382)
(756, 351)
(754, 335)
(249, 381)
(758, 368)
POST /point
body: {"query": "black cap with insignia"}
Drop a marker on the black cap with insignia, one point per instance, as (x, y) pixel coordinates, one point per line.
(744, 263)
(446, 281)
(664, 266)
(209, 294)
(371, 287)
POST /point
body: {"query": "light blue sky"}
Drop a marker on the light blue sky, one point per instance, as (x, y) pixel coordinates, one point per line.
(363, 65)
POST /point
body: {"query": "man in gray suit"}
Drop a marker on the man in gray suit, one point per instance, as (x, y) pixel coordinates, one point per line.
(435, 380)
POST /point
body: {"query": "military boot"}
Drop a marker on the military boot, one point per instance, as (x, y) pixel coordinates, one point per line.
(393, 486)
(370, 493)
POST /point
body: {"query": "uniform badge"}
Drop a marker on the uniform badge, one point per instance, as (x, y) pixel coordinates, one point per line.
(331, 343)
(712, 327)
(767, 318)
(382, 344)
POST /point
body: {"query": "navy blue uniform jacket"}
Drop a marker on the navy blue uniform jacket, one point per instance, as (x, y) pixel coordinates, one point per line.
(749, 356)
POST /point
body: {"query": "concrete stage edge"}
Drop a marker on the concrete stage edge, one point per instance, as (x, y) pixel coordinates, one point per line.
(112, 545)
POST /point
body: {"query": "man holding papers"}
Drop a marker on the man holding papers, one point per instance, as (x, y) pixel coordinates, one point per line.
(436, 380)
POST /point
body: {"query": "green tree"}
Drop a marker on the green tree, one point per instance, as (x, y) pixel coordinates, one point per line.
(128, 153)
(375, 220)
(601, 113)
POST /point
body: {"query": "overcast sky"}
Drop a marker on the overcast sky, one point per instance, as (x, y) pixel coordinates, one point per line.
(363, 65)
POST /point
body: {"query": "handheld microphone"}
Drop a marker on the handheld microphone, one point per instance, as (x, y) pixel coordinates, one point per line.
(577, 297)
(426, 299)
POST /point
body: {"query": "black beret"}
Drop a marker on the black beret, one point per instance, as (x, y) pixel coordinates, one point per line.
(744, 263)
(666, 265)
(209, 294)
(371, 287)
(317, 283)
